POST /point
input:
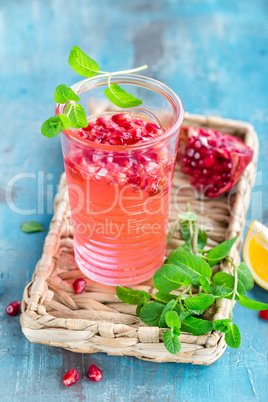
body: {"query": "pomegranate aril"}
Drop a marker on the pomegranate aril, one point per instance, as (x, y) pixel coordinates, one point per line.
(209, 161)
(227, 166)
(119, 119)
(190, 152)
(263, 314)
(197, 145)
(79, 285)
(101, 122)
(127, 125)
(13, 308)
(116, 141)
(197, 172)
(70, 377)
(151, 128)
(94, 373)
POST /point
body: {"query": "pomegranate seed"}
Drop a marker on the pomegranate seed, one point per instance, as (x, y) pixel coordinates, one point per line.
(13, 308)
(119, 119)
(101, 122)
(79, 286)
(94, 373)
(209, 161)
(263, 314)
(127, 125)
(198, 144)
(190, 152)
(151, 128)
(70, 377)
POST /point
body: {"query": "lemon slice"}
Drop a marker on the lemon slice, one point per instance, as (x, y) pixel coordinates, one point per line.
(255, 253)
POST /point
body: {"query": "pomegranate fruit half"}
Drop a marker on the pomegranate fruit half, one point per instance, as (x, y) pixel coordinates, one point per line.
(214, 161)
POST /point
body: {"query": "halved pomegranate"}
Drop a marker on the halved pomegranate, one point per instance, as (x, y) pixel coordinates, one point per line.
(214, 161)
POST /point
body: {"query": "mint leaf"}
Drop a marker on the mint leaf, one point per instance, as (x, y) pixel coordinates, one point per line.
(82, 63)
(162, 321)
(150, 313)
(172, 319)
(200, 302)
(184, 314)
(228, 281)
(119, 97)
(170, 277)
(131, 296)
(172, 343)
(175, 331)
(65, 121)
(221, 292)
(245, 276)
(193, 265)
(233, 337)
(218, 253)
(31, 227)
(196, 326)
(222, 325)
(63, 94)
(67, 108)
(205, 283)
(188, 216)
(163, 297)
(78, 116)
(252, 304)
(52, 127)
(139, 307)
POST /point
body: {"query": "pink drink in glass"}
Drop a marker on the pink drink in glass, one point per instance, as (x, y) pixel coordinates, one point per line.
(119, 173)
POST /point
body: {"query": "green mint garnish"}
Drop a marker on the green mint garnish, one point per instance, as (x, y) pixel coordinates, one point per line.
(77, 116)
(189, 267)
(233, 337)
(31, 227)
(74, 114)
(52, 126)
(120, 97)
(64, 94)
(82, 63)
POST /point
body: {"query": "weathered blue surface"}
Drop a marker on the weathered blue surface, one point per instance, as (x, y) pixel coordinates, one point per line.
(214, 54)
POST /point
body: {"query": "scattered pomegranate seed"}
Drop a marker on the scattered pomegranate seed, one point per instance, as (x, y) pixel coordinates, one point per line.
(214, 161)
(263, 314)
(79, 286)
(70, 377)
(94, 373)
(13, 308)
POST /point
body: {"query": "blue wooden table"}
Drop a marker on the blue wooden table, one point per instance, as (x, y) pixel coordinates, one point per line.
(214, 54)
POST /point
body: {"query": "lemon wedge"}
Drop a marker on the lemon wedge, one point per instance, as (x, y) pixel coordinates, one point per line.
(255, 253)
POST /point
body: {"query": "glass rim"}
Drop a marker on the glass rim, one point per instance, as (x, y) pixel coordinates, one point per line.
(131, 79)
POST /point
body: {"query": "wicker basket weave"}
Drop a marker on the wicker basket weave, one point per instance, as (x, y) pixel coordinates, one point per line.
(96, 321)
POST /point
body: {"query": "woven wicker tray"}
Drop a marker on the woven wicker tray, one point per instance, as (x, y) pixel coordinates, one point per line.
(96, 321)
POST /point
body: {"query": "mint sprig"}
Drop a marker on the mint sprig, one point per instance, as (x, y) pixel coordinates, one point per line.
(186, 268)
(74, 114)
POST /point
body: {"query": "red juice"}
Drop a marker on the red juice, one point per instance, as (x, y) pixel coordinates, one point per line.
(120, 198)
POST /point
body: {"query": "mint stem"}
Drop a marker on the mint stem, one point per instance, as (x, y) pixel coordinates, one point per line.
(195, 238)
(235, 285)
(109, 75)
